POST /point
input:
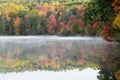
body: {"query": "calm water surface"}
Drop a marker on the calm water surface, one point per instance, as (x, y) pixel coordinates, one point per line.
(51, 75)
(57, 58)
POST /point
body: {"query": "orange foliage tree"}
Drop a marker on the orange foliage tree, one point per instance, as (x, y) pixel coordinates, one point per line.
(116, 5)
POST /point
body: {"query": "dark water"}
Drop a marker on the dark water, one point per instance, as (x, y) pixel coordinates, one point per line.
(52, 53)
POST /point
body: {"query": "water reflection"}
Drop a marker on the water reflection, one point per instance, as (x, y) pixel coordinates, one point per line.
(51, 75)
(59, 53)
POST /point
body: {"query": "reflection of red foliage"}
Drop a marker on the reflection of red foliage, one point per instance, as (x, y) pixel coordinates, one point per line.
(62, 49)
(43, 61)
(17, 50)
(82, 52)
(84, 56)
(53, 52)
(92, 53)
(96, 63)
(81, 61)
(94, 47)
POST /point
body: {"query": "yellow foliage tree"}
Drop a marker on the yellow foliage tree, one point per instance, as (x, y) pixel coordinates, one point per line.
(117, 20)
(117, 10)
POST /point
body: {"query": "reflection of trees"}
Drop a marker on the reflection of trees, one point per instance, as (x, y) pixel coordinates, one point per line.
(62, 55)
(108, 61)
(106, 74)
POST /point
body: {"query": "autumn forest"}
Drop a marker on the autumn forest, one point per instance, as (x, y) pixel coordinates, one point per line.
(60, 17)
(88, 36)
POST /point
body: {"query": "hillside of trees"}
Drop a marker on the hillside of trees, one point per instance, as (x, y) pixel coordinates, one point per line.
(60, 17)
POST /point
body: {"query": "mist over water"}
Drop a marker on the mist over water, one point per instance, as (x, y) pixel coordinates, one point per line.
(16, 46)
(4, 38)
(53, 53)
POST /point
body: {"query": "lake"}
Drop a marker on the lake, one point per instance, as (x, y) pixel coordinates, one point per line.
(58, 58)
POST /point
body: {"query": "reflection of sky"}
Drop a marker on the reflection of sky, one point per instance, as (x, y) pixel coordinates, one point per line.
(87, 74)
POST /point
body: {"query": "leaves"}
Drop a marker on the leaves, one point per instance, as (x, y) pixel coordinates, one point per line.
(117, 20)
(117, 75)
